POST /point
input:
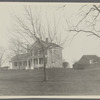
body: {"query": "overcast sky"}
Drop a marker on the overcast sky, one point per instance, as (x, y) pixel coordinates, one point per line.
(71, 52)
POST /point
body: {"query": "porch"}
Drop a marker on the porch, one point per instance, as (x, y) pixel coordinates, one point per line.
(28, 64)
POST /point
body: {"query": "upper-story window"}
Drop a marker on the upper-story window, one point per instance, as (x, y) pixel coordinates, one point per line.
(35, 52)
(52, 51)
(39, 52)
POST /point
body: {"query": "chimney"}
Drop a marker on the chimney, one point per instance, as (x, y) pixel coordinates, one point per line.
(46, 39)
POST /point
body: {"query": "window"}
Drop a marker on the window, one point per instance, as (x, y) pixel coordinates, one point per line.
(15, 63)
(35, 52)
(35, 61)
(40, 60)
(91, 61)
(40, 52)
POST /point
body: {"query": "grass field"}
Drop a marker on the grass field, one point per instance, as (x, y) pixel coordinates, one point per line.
(60, 82)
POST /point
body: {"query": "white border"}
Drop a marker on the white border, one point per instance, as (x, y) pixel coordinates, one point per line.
(50, 96)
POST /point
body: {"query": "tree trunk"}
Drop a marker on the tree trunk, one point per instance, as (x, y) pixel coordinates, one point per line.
(0, 64)
(45, 73)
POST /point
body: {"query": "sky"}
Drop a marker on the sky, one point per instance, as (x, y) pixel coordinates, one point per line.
(81, 44)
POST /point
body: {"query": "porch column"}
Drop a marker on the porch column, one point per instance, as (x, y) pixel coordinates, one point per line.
(27, 65)
(10, 64)
(38, 62)
(32, 64)
(22, 64)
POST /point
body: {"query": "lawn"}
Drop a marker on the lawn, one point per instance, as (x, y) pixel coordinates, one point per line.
(60, 82)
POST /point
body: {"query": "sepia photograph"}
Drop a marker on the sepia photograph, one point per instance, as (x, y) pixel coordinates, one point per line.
(49, 49)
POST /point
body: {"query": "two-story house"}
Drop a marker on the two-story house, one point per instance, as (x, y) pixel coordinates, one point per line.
(34, 56)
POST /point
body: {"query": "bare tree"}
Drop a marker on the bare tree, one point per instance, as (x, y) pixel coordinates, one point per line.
(89, 21)
(32, 28)
(17, 47)
(2, 58)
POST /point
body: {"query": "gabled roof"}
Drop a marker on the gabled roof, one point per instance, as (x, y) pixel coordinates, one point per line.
(20, 57)
(90, 57)
(47, 44)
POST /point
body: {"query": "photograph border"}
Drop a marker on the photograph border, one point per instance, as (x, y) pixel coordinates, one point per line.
(50, 97)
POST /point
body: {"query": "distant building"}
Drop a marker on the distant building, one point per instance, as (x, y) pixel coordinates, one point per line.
(85, 61)
(34, 57)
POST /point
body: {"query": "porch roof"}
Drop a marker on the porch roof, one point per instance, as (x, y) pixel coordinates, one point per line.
(21, 57)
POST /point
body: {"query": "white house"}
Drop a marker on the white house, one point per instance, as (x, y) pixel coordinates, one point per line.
(34, 56)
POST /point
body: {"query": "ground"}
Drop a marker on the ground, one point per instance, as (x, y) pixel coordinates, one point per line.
(60, 82)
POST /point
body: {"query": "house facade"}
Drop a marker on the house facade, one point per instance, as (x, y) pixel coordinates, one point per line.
(34, 57)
